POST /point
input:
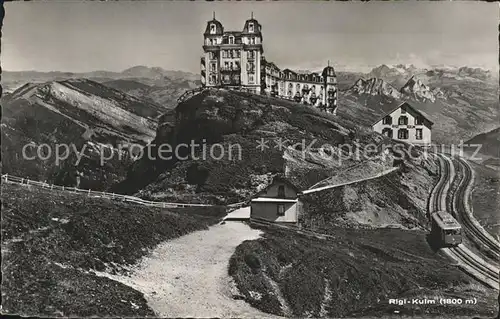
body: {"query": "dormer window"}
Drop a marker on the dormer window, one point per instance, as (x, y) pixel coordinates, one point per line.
(212, 28)
(231, 40)
(250, 27)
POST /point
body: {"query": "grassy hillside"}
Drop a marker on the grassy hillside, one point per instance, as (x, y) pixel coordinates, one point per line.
(489, 141)
(485, 198)
(52, 241)
(229, 118)
(354, 274)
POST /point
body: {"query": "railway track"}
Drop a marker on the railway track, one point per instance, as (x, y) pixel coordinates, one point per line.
(466, 259)
(464, 212)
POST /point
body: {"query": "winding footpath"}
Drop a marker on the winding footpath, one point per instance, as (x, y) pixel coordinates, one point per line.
(188, 276)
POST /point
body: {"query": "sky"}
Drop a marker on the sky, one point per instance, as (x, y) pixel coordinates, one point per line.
(92, 35)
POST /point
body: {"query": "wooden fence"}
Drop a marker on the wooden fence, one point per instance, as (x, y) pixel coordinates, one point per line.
(113, 196)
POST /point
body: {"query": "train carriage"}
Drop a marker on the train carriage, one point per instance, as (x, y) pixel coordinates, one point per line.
(445, 229)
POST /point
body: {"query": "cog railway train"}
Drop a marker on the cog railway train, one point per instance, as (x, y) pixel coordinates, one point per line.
(446, 231)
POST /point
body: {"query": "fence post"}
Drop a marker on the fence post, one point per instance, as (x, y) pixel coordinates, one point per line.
(51, 186)
(88, 193)
(63, 187)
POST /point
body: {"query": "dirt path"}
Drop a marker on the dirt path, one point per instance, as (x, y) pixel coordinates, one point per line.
(188, 276)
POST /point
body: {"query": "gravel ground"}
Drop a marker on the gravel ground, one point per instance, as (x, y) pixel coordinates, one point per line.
(188, 276)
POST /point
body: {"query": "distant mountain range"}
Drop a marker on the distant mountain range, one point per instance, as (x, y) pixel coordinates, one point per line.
(462, 101)
(153, 83)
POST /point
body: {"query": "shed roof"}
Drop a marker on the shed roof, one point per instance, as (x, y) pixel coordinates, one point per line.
(274, 200)
(445, 220)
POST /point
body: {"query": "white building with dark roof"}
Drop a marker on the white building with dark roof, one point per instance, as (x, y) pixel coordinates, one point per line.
(405, 123)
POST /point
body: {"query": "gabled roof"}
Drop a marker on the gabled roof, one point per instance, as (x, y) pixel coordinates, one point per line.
(408, 105)
(282, 179)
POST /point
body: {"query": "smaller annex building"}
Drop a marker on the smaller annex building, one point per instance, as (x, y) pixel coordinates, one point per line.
(405, 123)
(278, 202)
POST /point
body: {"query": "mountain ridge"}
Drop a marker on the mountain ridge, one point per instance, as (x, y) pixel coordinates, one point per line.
(79, 116)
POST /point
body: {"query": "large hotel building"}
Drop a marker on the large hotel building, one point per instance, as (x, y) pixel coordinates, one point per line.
(234, 59)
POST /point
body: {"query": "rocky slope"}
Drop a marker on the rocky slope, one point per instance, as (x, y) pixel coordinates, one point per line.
(81, 117)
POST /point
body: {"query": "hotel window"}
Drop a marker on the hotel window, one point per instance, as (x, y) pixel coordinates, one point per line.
(212, 55)
(403, 134)
(223, 53)
(281, 209)
(250, 27)
(387, 120)
(212, 79)
(281, 191)
(418, 134)
(403, 120)
(212, 67)
(237, 53)
(252, 40)
(231, 40)
(251, 67)
(226, 78)
(226, 65)
(212, 28)
(419, 120)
